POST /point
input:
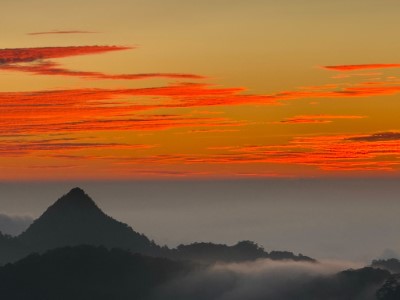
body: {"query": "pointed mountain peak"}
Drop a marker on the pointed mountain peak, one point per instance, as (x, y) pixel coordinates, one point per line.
(76, 191)
(75, 219)
(76, 198)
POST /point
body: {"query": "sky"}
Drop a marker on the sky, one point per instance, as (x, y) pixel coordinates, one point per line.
(119, 90)
(221, 120)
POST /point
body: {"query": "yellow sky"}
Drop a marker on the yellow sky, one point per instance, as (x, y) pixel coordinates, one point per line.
(204, 89)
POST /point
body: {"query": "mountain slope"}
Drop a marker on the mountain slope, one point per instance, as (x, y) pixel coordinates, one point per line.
(86, 272)
(11, 249)
(75, 219)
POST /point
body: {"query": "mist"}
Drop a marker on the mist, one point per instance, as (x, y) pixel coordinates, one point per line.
(14, 225)
(264, 280)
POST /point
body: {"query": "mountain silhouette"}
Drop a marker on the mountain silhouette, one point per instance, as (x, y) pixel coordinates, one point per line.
(86, 272)
(75, 219)
(86, 254)
(392, 264)
(242, 251)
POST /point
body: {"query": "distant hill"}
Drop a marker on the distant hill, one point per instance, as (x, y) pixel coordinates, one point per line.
(75, 219)
(242, 251)
(86, 272)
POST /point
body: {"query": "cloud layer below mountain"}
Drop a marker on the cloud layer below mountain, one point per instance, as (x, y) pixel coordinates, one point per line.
(262, 279)
(14, 225)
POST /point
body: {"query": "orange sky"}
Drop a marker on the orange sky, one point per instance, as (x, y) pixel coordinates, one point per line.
(182, 89)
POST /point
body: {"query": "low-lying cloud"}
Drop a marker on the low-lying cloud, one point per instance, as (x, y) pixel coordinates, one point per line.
(14, 225)
(259, 280)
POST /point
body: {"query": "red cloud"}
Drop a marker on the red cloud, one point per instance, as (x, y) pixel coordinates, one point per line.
(12, 147)
(212, 130)
(328, 153)
(313, 119)
(50, 68)
(115, 108)
(86, 110)
(95, 110)
(173, 96)
(361, 67)
(92, 110)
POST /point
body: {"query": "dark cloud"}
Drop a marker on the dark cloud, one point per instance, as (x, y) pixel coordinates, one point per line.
(11, 59)
(377, 137)
(61, 32)
(23, 55)
(24, 147)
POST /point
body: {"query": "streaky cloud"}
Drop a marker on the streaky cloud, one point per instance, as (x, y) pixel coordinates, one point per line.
(327, 153)
(11, 59)
(361, 67)
(13, 148)
(315, 119)
(24, 55)
(62, 32)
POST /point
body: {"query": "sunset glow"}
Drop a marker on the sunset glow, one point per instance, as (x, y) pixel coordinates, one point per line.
(97, 101)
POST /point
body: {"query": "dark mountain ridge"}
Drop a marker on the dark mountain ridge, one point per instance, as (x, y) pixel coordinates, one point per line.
(86, 272)
(242, 251)
(392, 264)
(75, 219)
